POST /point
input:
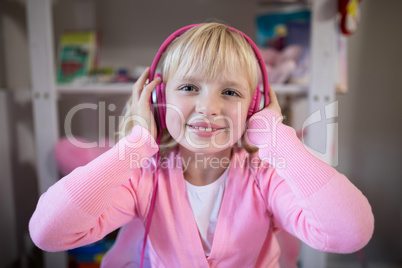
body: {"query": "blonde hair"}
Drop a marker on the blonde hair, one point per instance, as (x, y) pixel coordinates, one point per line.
(205, 50)
(208, 49)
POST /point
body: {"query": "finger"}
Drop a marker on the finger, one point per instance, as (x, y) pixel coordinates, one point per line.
(274, 103)
(147, 91)
(272, 95)
(139, 84)
(143, 78)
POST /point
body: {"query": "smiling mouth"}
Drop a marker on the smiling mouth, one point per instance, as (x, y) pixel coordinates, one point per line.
(208, 129)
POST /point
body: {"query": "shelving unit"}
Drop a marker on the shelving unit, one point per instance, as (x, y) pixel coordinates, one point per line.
(320, 94)
(125, 88)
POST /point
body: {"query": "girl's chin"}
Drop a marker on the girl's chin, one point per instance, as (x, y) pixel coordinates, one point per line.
(211, 146)
(204, 151)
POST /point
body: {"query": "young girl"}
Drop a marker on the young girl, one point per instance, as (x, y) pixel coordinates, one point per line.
(216, 204)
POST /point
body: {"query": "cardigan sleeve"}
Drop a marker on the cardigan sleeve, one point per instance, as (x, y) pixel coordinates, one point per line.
(97, 198)
(306, 196)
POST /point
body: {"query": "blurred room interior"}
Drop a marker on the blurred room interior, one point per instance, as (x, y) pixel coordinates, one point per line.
(369, 146)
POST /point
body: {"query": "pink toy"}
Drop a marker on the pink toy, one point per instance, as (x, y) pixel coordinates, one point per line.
(281, 73)
(281, 65)
(70, 154)
(269, 55)
(291, 52)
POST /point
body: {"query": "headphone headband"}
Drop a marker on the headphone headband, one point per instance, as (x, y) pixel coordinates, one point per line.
(179, 32)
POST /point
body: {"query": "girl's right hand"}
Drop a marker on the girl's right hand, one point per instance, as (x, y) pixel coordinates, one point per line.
(140, 107)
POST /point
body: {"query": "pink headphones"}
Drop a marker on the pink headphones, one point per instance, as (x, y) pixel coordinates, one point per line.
(259, 101)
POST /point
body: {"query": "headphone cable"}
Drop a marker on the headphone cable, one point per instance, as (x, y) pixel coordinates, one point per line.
(151, 208)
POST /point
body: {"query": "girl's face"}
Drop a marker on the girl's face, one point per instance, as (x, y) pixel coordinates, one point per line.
(207, 116)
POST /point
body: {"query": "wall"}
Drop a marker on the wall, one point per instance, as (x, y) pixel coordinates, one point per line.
(370, 128)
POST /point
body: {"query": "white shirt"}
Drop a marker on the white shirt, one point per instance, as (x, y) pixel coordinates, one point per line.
(205, 202)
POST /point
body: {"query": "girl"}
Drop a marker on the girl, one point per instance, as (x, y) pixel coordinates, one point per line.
(216, 203)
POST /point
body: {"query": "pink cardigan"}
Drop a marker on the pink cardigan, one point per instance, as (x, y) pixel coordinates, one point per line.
(295, 191)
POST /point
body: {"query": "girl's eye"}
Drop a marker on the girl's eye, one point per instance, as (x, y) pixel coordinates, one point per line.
(188, 88)
(231, 93)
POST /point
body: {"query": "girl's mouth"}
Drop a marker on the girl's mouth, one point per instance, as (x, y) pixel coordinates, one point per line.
(205, 131)
(208, 129)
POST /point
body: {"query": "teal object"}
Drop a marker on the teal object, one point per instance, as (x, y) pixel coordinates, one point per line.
(267, 23)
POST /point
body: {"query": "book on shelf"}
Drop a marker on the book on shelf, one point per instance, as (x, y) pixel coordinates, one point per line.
(78, 55)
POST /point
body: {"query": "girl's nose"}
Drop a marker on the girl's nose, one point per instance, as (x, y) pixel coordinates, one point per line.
(208, 105)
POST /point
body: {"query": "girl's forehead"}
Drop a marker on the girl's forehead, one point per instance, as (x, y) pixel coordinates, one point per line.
(235, 74)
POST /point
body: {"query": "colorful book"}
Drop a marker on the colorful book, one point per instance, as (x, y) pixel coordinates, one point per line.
(77, 55)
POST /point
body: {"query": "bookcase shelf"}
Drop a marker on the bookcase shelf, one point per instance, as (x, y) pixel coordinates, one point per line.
(125, 88)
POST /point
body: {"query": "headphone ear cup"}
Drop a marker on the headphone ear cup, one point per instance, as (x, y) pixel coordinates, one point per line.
(160, 103)
(255, 103)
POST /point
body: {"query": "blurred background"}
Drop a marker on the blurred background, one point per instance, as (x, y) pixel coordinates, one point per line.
(128, 34)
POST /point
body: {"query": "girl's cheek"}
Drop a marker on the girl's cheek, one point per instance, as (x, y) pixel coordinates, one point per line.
(174, 123)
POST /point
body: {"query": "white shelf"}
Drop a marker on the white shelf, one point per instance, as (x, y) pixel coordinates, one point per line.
(125, 88)
(96, 88)
(290, 89)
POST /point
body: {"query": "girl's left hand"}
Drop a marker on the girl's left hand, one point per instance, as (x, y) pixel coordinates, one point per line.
(273, 102)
